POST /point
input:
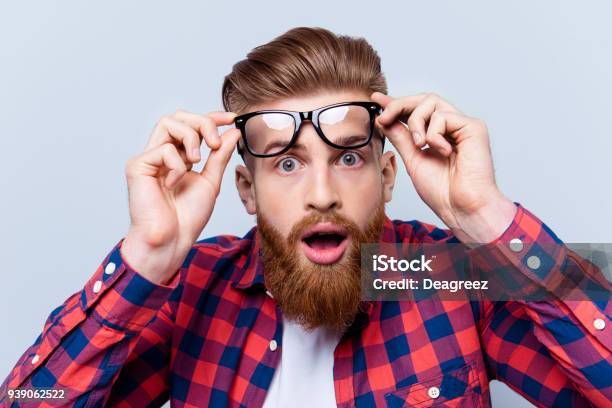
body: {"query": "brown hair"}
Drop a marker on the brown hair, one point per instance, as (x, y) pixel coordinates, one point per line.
(299, 61)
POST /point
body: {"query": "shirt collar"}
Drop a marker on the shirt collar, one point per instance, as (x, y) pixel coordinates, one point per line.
(251, 274)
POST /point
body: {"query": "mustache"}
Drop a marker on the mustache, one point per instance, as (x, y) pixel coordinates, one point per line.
(300, 228)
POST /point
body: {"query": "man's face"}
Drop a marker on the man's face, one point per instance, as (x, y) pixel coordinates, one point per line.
(315, 204)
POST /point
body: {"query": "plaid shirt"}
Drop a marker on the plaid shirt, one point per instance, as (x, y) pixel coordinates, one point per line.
(204, 339)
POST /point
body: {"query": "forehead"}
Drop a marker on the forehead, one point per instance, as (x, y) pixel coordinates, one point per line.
(304, 103)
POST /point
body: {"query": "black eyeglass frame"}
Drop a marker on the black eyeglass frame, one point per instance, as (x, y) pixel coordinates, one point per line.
(313, 116)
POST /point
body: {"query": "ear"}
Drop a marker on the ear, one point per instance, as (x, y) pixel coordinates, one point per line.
(246, 189)
(388, 167)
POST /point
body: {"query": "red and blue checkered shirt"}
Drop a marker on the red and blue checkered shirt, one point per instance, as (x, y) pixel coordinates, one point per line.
(204, 339)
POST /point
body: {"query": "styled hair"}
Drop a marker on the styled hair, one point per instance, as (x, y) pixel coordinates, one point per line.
(300, 62)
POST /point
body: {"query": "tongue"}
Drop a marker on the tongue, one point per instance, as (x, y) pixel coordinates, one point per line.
(323, 242)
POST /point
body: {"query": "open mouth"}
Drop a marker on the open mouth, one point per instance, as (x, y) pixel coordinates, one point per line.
(324, 243)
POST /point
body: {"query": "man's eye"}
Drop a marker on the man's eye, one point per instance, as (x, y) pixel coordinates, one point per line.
(349, 159)
(288, 164)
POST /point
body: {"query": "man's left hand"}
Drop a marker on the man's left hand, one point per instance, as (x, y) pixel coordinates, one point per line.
(454, 175)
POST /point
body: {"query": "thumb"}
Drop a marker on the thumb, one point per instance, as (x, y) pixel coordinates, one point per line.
(217, 160)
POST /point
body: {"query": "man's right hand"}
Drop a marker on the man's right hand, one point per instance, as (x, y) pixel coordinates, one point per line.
(169, 203)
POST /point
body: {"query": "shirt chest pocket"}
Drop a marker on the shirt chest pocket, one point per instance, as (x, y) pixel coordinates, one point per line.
(456, 388)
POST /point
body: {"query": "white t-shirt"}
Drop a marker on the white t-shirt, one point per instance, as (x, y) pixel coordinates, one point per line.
(305, 375)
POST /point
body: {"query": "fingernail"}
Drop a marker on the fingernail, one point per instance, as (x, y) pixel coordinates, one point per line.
(417, 137)
(196, 153)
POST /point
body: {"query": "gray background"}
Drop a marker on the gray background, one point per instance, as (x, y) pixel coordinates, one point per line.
(81, 87)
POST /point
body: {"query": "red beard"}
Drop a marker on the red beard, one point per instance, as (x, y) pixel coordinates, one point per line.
(316, 294)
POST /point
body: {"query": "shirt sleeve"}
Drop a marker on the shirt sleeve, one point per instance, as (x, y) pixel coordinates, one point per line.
(555, 351)
(116, 319)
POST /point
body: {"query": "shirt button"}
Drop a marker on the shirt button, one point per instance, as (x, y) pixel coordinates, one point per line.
(516, 245)
(97, 286)
(35, 359)
(533, 262)
(599, 324)
(433, 392)
(273, 345)
(110, 268)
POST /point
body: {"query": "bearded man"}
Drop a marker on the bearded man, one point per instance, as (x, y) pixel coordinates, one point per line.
(276, 318)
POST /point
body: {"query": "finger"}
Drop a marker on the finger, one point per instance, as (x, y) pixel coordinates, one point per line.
(421, 115)
(381, 98)
(442, 125)
(207, 125)
(384, 99)
(399, 135)
(399, 107)
(188, 163)
(222, 118)
(171, 130)
(181, 153)
(161, 158)
(217, 160)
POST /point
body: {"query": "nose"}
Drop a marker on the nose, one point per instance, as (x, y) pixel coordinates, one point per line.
(321, 192)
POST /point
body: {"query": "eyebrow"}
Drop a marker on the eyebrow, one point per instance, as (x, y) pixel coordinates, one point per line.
(350, 140)
(280, 144)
